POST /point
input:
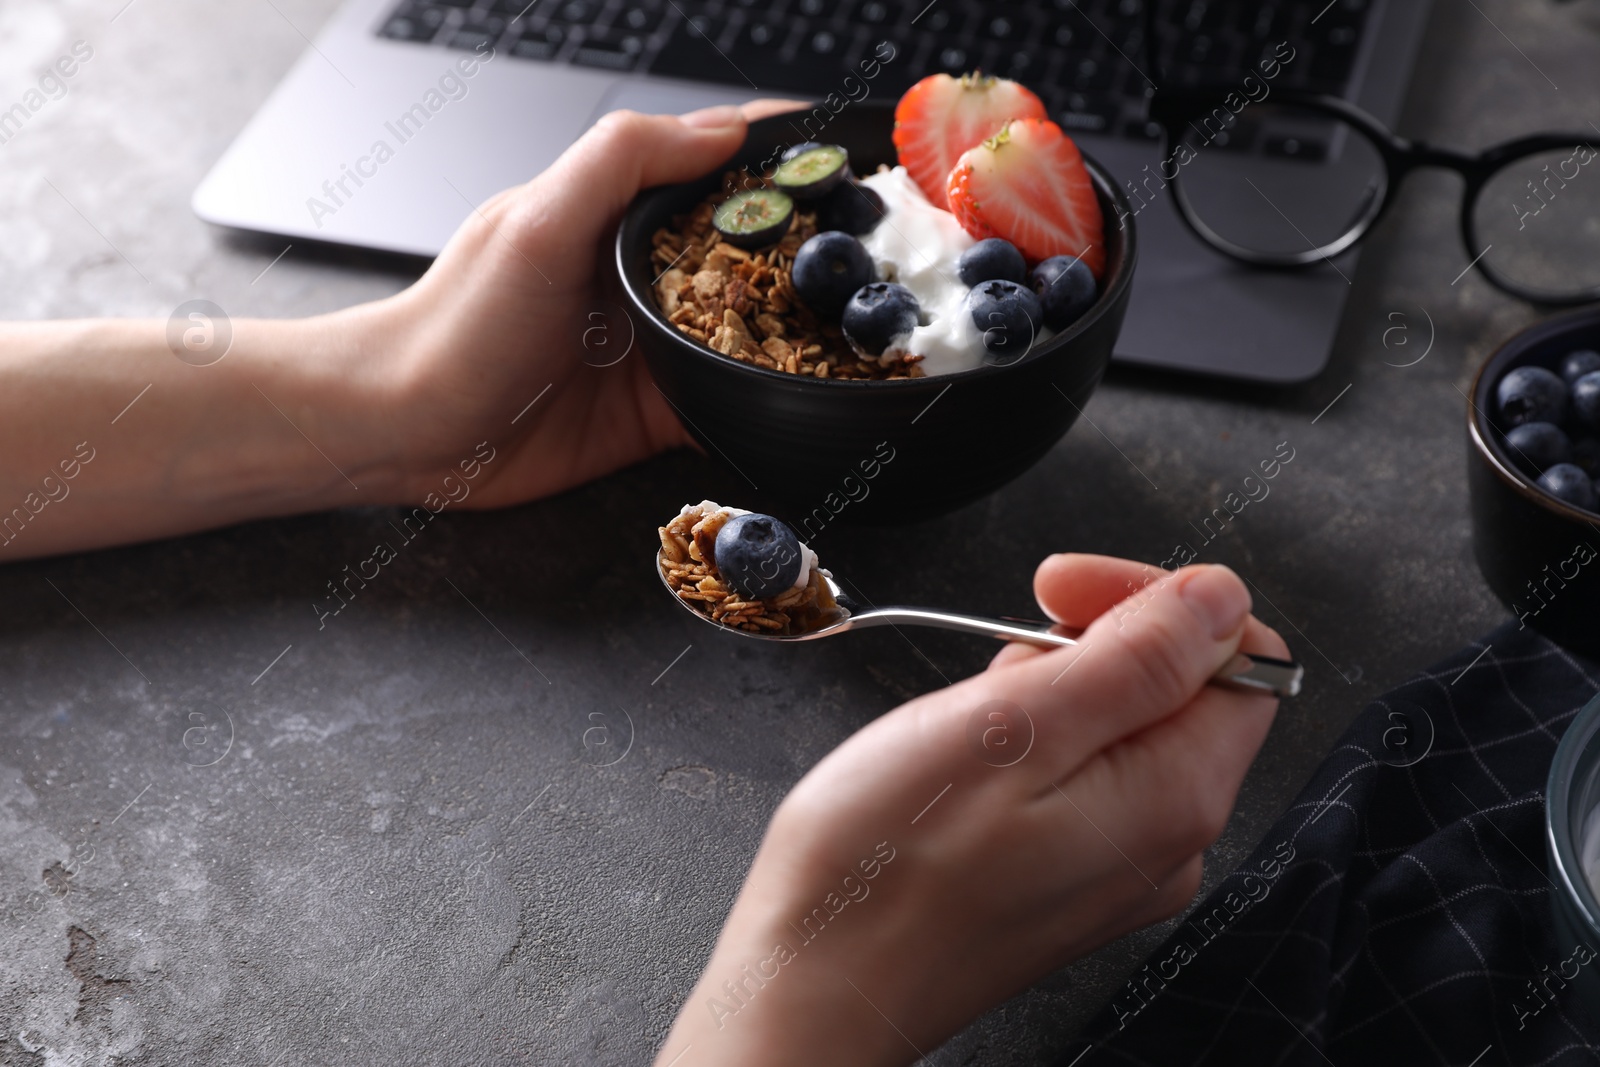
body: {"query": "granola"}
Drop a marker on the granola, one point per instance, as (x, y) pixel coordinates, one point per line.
(688, 563)
(743, 304)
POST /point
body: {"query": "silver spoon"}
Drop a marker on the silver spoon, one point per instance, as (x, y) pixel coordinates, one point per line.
(1281, 677)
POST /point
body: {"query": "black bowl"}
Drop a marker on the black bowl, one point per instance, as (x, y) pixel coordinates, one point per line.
(930, 444)
(1540, 555)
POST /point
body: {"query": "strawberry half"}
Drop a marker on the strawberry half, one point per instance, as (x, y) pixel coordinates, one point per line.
(1028, 184)
(941, 117)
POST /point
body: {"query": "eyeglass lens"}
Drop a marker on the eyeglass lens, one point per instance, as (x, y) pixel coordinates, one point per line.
(1277, 180)
(1539, 219)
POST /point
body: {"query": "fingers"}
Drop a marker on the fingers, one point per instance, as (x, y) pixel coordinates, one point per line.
(1130, 670)
(627, 151)
(1151, 661)
(1075, 588)
(1259, 638)
(767, 107)
(1013, 652)
(1200, 757)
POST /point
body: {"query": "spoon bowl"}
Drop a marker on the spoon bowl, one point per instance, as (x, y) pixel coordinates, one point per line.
(1280, 677)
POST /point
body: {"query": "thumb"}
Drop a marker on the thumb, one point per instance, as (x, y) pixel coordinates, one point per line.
(1134, 667)
(1162, 651)
(627, 151)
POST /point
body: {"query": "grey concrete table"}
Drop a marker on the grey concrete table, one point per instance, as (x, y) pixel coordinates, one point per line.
(227, 836)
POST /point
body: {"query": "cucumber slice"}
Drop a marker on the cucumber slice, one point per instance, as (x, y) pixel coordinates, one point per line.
(754, 218)
(813, 172)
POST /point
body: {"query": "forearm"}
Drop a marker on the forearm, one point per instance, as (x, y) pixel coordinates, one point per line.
(107, 437)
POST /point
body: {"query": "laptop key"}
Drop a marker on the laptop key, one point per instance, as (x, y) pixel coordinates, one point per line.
(879, 13)
(937, 17)
(470, 40)
(638, 18)
(1088, 112)
(1004, 26)
(475, 35)
(1026, 64)
(816, 9)
(540, 44)
(407, 28)
(957, 55)
(891, 76)
(823, 44)
(609, 50)
(573, 12)
(1091, 74)
(1073, 32)
(693, 51)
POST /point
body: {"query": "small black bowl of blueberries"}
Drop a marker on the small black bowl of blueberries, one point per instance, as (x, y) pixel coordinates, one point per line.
(1533, 432)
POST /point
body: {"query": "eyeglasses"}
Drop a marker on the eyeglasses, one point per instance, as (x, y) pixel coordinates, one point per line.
(1297, 178)
(1280, 177)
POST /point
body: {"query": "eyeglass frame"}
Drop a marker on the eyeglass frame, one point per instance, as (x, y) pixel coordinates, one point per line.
(1174, 110)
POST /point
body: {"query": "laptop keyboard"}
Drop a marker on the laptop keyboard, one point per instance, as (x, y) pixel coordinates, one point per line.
(1081, 57)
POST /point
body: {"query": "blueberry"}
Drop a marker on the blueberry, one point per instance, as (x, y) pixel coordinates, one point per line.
(1009, 316)
(1576, 364)
(851, 207)
(1567, 482)
(990, 259)
(1066, 289)
(757, 555)
(828, 269)
(1531, 394)
(1586, 454)
(1586, 400)
(1538, 446)
(878, 315)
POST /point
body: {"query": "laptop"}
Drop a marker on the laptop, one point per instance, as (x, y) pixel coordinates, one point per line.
(404, 114)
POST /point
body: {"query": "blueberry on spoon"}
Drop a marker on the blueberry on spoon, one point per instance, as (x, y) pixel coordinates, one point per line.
(757, 555)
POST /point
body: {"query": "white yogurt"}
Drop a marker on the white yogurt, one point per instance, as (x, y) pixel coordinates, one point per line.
(707, 508)
(917, 245)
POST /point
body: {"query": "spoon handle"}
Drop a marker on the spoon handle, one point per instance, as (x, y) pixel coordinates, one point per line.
(1280, 677)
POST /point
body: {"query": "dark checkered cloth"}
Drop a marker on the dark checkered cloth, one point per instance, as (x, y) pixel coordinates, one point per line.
(1400, 911)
